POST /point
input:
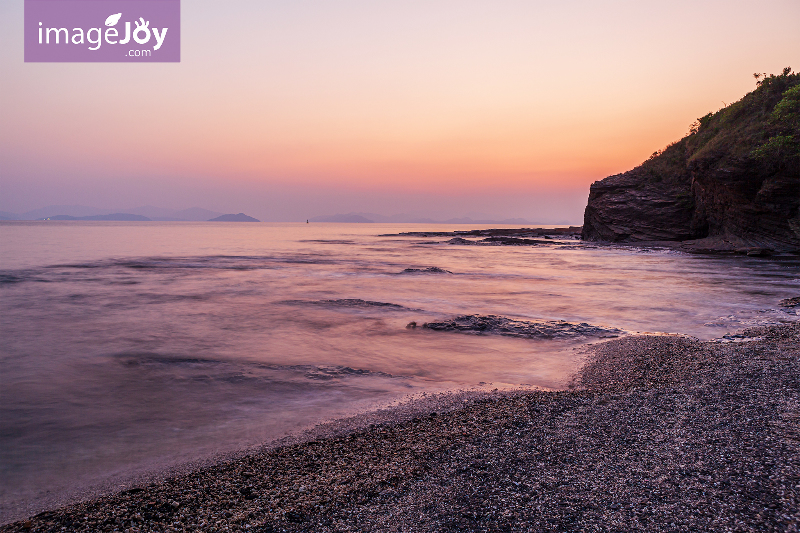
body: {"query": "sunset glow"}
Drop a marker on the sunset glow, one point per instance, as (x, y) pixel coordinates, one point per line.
(379, 97)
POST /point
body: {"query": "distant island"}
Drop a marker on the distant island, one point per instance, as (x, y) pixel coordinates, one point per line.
(129, 217)
(731, 185)
(239, 217)
(194, 214)
(150, 213)
(83, 212)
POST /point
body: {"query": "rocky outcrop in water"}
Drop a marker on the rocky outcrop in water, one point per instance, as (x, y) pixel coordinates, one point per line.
(428, 270)
(500, 325)
(520, 233)
(790, 302)
(732, 184)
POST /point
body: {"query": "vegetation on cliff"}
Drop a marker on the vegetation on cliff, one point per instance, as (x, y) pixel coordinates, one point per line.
(764, 126)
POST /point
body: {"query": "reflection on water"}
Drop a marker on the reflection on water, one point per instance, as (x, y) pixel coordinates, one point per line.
(128, 346)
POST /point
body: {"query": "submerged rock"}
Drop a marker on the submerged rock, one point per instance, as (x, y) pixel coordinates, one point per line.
(460, 240)
(512, 241)
(755, 252)
(428, 270)
(790, 302)
(500, 325)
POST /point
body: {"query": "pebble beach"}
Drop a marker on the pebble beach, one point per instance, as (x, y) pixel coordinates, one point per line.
(655, 433)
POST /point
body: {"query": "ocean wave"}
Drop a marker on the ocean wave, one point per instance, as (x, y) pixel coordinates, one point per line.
(328, 241)
(218, 262)
(500, 325)
(352, 303)
(9, 278)
(238, 370)
(71, 271)
(504, 241)
(326, 373)
(514, 241)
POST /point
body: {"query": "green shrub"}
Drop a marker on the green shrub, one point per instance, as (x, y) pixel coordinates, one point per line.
(785, 122)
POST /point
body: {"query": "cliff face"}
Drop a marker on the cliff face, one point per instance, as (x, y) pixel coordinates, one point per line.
(734, 181)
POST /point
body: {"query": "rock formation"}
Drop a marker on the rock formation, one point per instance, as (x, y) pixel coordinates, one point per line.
(732, 184)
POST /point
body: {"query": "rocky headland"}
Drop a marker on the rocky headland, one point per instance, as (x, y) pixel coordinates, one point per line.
(731, 185)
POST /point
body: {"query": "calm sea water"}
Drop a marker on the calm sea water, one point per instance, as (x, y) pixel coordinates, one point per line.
(130, 346)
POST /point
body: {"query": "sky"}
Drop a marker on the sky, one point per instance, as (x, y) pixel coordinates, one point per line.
(286, 110)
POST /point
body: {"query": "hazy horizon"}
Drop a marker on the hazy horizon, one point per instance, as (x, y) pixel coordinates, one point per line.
(287, 111)
(201, 213)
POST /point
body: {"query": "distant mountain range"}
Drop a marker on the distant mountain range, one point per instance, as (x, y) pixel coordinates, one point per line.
(144, 213)
(199, 214)
(124, 217)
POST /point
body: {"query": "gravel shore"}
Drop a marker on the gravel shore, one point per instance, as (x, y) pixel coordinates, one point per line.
(657, 433)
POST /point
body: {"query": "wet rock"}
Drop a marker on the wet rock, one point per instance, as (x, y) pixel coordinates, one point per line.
(755, 252)
(563, 232)
(428, 270)
(629, 207)
(461, 240)
(791, 302)
(500, 325)
(512, 241)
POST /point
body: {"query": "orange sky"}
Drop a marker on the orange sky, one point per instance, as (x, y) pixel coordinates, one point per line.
(371, 98)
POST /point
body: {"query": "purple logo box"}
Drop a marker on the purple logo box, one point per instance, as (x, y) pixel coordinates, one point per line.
(65, 31)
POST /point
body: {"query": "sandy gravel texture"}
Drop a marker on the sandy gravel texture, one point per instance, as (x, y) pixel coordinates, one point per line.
(658, 434)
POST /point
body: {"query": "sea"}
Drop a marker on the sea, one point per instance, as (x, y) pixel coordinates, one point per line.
(132, 348)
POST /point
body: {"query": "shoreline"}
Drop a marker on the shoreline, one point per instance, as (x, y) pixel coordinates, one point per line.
(712, 245)
(658, 433)
(398, 411)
